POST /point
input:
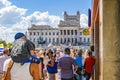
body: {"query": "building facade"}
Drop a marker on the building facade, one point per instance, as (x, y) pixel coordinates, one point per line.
(68, 32)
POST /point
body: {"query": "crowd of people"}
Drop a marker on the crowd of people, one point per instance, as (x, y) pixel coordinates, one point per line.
(24, 62)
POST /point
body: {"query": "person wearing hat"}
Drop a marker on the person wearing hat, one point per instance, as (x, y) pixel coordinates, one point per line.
(25, 64)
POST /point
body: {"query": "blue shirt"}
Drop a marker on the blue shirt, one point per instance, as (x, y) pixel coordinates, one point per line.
(78, 60)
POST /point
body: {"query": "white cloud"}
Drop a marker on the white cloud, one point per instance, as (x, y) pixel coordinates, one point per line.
(10, 15)
(13, 20)
(43, 19)
(4, 3)
(84, 20)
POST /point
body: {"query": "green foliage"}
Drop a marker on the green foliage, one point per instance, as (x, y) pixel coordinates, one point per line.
(9, 45)
(6, 45)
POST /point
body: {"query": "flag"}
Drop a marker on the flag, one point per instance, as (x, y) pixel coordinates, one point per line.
(1, 48)
(89, 17)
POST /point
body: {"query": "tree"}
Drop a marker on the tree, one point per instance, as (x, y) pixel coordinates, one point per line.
(6, 45)
(3, 42)
(9, 45)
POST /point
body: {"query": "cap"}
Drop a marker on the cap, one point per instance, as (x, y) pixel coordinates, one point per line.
(19, 35)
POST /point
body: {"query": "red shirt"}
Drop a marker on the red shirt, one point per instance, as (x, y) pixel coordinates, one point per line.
(89, 63)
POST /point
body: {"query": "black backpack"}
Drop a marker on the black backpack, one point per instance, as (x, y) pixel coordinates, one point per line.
(19, 51)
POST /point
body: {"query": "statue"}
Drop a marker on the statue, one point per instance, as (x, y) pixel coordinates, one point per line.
(41, 41)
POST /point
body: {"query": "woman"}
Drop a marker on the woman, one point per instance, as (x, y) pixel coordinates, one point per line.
(89, 64)
(79, 60)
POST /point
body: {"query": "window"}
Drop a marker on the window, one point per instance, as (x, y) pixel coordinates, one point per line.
(64, 32)
(49, 39)
(49, 33)
(57, 33)
(53, 33)
(61, 41)
(68, 32)
(75, 40)
(53, 39)
(88, 39)
(46, 33)
(75, 32)
(80, 33)
(46, 39)
(80, 39)
(71, 32)
(42, 33)
(72, 40)
(34, 40)
(37, 33)
(34, 33)
(65, 40)
(84, 39)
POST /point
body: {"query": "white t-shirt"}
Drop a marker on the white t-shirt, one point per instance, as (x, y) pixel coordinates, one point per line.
(21, 72)
(5, 65)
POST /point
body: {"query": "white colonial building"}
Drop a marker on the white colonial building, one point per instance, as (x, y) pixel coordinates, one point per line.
(68, 32)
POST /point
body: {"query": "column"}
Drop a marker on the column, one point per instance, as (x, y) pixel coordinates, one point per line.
(110, 39)
(96, 49)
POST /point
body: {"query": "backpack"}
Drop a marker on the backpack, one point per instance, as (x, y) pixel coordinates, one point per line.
(20, 51)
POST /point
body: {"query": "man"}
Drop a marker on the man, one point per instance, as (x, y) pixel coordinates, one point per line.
(4, 57)
(66, 64)
(24, 64)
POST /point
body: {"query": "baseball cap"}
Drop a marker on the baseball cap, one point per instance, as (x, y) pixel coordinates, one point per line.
(18, 35)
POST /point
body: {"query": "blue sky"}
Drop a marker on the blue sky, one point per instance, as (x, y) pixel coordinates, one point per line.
(16, 15)
(54, 7)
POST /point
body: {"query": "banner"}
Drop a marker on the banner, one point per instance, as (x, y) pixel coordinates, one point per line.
(1, 48)
(89, 17)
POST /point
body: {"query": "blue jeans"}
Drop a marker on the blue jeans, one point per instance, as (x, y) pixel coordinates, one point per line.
(88, 75)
